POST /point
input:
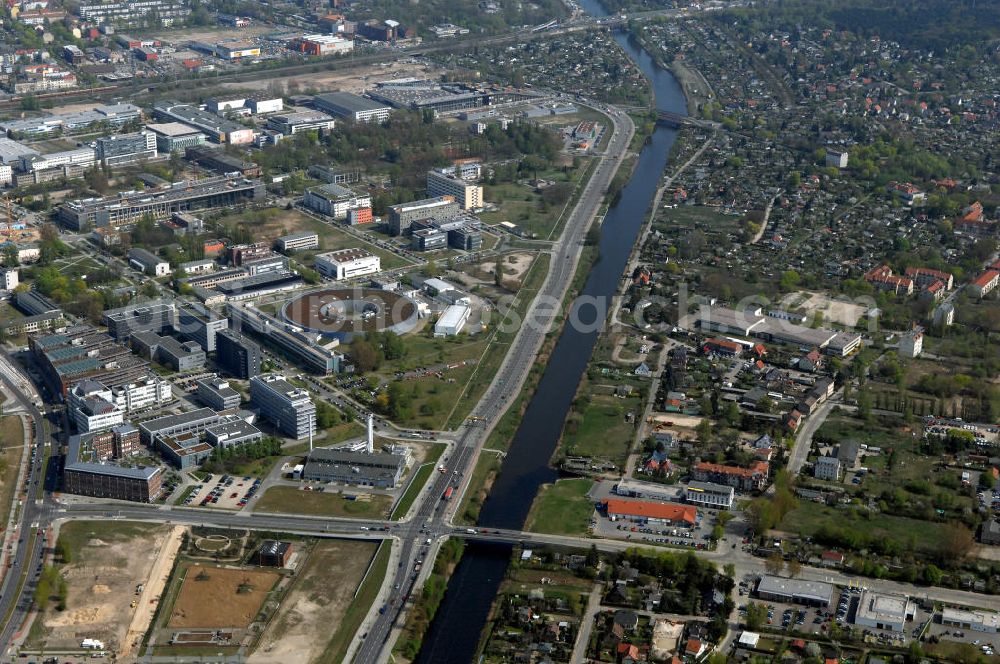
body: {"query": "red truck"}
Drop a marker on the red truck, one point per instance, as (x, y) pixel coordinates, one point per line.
(447, 493)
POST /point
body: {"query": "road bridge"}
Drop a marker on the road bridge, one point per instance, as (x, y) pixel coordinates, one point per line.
(677, 121)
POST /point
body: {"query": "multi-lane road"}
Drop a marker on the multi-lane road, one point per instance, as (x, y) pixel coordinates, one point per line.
(432, 513)
(16, 589)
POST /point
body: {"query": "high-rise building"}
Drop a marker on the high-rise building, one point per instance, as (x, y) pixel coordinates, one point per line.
(289, 408)
(237, 355)
(200, 324)
(402, 216)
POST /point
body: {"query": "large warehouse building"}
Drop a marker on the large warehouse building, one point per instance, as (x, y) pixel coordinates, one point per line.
(378, 469)
(644, 511)
(351, 106)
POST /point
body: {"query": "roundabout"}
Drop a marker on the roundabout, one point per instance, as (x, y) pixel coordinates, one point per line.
(346, 312)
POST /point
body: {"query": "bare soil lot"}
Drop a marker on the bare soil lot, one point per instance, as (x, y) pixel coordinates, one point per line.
(109, 561)
(352, 80)
(220, 596)
(213, 35)
(513, 266)
(318, 600)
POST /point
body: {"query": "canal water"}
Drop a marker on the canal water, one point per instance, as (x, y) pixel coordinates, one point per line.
(454, 634)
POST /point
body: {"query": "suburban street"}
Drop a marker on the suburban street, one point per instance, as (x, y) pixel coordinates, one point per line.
(803, 438)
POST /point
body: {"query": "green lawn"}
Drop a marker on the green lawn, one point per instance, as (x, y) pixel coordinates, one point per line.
(468, 511)
(11, 448)
(76, 534)
(337, 647)
(562, 508)
(601, 431)
(419, 480)
(188, 490)
(520, 204)
(878, 433)
(499, 342)
(341, 432)
(290, 500)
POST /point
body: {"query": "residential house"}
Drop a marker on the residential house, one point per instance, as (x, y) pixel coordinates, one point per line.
(753, 478)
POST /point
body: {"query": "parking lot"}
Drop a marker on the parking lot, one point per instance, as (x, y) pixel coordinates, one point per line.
(842, 612)
(225, 492)
(988, 643)
(655, 533)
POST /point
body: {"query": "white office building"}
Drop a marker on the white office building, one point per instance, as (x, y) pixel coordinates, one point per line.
(882, 611)
(707, 494)
(298, 241)
(147, 262)
(91, 407)
(146, 393)
(10, 279)
(347, 263)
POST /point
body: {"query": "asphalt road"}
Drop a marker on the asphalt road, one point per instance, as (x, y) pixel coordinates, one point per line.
(434, 514)
(29, 551)
(803, 439)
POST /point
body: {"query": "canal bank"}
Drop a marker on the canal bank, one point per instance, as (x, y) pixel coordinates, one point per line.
(454, 634)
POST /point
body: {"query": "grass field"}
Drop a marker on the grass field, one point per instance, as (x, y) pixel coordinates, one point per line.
(289, 500)
(878, 433)
(703, 217)
(562, 508)
(79, 534)
(11, 447)
(601, 431)
(808, 518)
(520, 204)
(419, 480)
(337, 647)
(220, 597)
